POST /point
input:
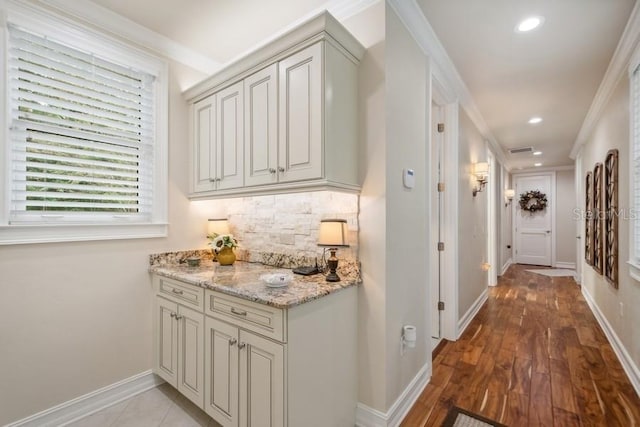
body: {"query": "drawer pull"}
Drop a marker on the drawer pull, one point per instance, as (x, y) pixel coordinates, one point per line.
(177, 291)
(178, 317)
(233, 341)
(238, 312)
(242, 345)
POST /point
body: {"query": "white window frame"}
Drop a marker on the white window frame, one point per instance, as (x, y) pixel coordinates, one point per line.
(634, 186)
(39, 20)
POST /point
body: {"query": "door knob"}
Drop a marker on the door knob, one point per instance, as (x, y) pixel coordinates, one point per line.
(548, 231)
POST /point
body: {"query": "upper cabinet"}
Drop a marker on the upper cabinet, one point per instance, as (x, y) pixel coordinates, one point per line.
(281, 119)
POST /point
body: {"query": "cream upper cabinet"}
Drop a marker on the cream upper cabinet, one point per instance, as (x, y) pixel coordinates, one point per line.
(300, 113)
(203, 157)
(261, 127)
(229, 140)
(285, 117)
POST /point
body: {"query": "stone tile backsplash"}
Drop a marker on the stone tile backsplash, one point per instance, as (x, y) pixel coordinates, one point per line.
(288, 223)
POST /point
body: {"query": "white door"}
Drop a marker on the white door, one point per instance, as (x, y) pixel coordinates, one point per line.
(261, 127)
(261, 381)
(191, 354)
(230, 137)
(300, 111)
(436, 228)
(221, 372)
(534, 230)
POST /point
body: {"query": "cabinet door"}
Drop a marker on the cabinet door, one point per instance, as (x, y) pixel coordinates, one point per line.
(204, 152)
(166, 341)
(191, 354)
(221, 372)
(261, 127)
(229, 137)
(261, 381)
(300, 112)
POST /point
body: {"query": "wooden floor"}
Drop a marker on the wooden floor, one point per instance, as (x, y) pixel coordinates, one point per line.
(533, 356)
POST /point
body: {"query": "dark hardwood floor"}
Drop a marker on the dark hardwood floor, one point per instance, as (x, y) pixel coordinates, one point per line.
(533, 356)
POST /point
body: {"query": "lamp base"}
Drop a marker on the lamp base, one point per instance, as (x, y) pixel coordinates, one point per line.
(333, 277)
(332, 263)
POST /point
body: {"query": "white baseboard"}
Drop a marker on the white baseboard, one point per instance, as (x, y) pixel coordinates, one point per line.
(471, 313)
(618, 347)
(567, 265)
(506, 266)
(369, 417)
(90, 403)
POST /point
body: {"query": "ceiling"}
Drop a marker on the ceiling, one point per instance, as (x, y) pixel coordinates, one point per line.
(552, 72)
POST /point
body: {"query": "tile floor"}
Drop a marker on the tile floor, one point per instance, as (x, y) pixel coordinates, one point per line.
(162, 406)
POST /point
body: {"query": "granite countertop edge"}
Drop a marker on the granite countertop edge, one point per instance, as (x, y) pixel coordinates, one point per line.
(243, 282)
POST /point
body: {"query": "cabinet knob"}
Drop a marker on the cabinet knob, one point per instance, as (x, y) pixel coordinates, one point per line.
(212, 180)
(173, 315)
(218, 179)
(233, 341)
(272, 170)
(280, 169)
(178, 317)
(242, 345)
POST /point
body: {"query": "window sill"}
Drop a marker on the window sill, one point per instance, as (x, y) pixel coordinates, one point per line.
(25, 234)
(634, 270)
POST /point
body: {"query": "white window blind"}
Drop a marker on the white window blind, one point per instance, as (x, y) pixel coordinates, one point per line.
(635, 166)
(81, 135)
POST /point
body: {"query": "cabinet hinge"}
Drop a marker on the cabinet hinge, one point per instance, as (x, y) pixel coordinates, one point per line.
(440, 127)
(440, 187)
(440, 246)
(440, 305)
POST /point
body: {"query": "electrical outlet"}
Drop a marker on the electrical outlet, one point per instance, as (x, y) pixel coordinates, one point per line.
(621, 309)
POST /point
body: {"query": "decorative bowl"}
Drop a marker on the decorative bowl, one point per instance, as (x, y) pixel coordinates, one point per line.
(276, 280)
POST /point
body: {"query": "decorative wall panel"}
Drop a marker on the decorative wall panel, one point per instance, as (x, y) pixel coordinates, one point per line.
(598, 213)
(611, 217)
(588, 218)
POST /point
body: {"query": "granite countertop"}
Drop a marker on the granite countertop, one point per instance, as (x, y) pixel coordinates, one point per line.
(242, 279)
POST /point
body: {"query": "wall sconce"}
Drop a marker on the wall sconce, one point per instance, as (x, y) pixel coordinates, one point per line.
(509, 194)
(333, 234)
(481, 172)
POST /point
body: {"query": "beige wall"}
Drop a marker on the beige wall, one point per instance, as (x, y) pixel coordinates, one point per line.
(75, 317)
(369, 28)
(472, 218)
(565, 217)
(407, 294)
(612, 131)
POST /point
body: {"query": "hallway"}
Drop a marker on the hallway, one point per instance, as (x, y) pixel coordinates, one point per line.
(533, 356)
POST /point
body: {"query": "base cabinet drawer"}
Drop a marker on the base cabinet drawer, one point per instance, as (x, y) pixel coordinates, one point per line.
(259, 318)
(245, 374)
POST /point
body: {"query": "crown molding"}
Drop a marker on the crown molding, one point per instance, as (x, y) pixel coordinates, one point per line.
(443, 68)
(109, 21)
(625, 51)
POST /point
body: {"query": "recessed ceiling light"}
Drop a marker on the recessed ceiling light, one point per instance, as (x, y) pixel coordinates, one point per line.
(537, 153)
(537, 164)
(529, 24)
(535, 120)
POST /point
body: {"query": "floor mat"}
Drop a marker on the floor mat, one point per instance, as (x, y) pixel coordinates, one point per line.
(554, 272)
(458, 417)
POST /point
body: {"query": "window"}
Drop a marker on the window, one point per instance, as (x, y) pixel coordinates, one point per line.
(634, 171)
(85, 144)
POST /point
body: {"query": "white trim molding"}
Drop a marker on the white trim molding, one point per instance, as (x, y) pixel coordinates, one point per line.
(617, 68)
(90, 403)
(369, 417)
(506, 266)
(465, 320)
(443, 68)
(566, 265)
(631, 369)
(109, 21)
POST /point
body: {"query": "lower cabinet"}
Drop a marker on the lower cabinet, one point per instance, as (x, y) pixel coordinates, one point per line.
(251, 364)
(179, 347)
(244, 377)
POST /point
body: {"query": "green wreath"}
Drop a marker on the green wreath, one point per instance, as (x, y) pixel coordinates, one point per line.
(533, 201)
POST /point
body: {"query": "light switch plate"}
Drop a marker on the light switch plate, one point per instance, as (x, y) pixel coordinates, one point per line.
(409, 178)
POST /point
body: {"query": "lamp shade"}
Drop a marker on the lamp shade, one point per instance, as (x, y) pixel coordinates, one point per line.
(481, 170)
(333, 232)
(509, 193)
(218, 226)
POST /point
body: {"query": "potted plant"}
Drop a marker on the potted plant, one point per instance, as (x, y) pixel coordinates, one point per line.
(222, 245)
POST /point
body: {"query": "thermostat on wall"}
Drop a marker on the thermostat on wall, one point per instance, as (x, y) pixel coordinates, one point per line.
(408, 178)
